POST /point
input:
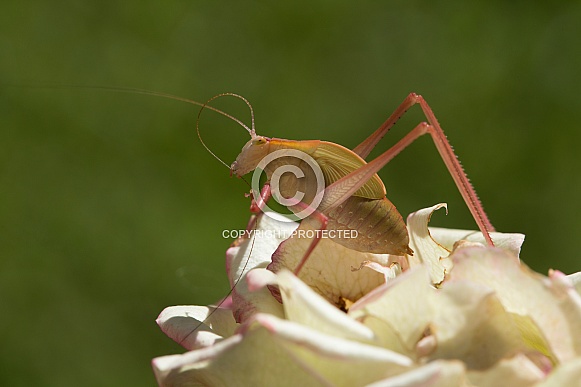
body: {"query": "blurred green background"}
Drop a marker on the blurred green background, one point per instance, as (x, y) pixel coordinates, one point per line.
(110, 208)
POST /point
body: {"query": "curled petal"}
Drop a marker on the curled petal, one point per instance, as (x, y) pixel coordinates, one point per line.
(427, 251)
(260, 278)
(271, 351)
(389, 272)
(433, 245)
(575, 280)
(507, 241)
(196, 326)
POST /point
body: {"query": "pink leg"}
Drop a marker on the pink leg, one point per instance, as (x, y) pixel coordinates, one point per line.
(343, 188)
(324, 220)
(444, 148)
(257, 205)
(370, 142)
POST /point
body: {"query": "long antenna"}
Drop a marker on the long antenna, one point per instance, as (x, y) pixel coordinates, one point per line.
(203, 106)
(133, 90)
(252, 132)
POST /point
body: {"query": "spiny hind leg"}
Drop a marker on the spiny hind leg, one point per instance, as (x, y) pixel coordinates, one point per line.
(442, 145)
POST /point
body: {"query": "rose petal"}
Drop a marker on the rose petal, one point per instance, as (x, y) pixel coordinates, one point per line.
(260, 278)
(304, 306)
(433, 245)
(507, 241)
(328, 269)
(575, 281)
(389, 272)
(196, 326)
(464, 319)
(566, 374)
(517, 371)
(251, 253)
(340, 361)
(426, 250)
(439, 373)
(256, 251)
(272, 351)
(528, 295)
(402, 307)
(469, 323)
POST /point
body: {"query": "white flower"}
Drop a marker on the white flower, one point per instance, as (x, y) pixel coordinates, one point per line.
(454, 314)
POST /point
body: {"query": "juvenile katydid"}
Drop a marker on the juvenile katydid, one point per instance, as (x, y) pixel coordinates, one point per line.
(354, 196)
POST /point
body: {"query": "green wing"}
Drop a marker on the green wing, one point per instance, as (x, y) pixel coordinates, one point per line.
(337, 161)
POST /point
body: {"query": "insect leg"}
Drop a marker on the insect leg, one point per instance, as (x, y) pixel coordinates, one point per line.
(457, 172)
(257, 204)
(343, 188)
(323, 219)
(370, 142)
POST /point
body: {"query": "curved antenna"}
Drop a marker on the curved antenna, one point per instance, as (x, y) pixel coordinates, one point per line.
(252, 132)
(254, 220)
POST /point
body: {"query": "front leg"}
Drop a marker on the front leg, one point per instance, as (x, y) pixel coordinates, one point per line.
(257, 204)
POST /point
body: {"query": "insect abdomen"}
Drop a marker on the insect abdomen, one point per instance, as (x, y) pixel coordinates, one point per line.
(380, 227)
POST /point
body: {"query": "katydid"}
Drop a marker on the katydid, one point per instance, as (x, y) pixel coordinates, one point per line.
(354, 196)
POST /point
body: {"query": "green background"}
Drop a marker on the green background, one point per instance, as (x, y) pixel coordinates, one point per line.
(110, 209)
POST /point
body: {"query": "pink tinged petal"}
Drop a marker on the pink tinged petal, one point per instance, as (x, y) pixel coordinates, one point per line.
(548, 315)
(271, 351)
(426, 250)
(260, 278)
(566, 374)
(433, 245)
(439, 373)
(302, 305)
(460, 321)
(248, 302)
(426, 346)
(400, 311)
(256, 251)
(251, 296)
(518, 371)
(196, 326)
(254, 358)
(328, 269)
(575, 280)
(338, 360)
(469, 323)
(251, 253)
(507, 241)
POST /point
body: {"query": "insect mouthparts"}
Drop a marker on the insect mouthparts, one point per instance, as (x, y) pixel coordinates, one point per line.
(233, 167)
